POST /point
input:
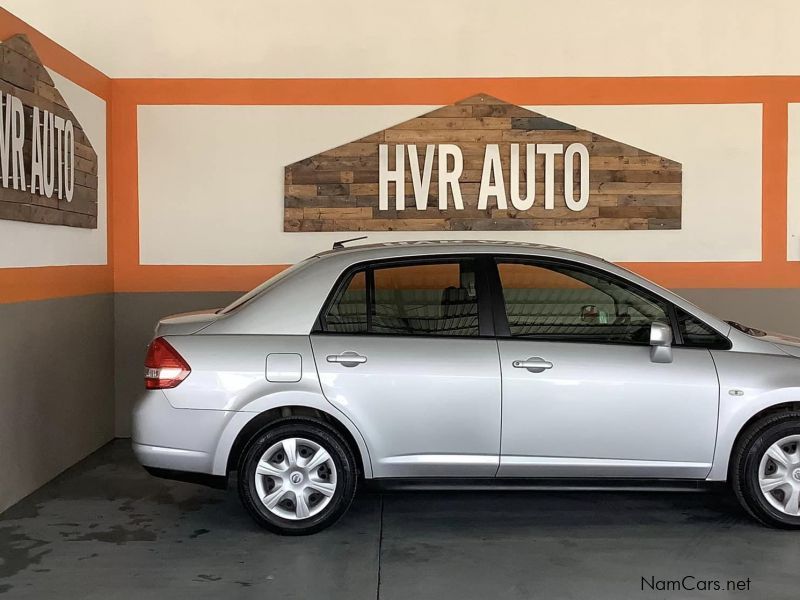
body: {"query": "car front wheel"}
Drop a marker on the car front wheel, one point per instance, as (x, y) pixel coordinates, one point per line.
(766, 470)
(297, 477)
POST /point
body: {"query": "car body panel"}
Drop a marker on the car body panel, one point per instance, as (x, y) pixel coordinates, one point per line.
(229, 371)
(602, 410)
(763, 381)
(443, 421)
(177, 439)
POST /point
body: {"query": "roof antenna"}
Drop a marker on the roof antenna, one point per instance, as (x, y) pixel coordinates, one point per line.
(339, 245)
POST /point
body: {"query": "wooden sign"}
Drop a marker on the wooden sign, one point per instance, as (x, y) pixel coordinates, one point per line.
(48, 168)
(482, 164)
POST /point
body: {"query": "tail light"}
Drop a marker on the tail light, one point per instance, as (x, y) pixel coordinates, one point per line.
(164, 368)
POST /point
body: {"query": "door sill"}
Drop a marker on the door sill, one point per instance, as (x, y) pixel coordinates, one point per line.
(554, 484)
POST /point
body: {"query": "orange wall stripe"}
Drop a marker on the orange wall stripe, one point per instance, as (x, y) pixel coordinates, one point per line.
(232, 278)
(528, 90)
(42, 283)
(124, 177)
(775, 156)
(57, 57)
(193, 278)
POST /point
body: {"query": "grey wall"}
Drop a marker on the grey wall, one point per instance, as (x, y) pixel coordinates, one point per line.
(768, 309)
(136, 314)
(56, 387)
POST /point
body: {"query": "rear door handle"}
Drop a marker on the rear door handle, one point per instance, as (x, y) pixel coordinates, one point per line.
(347, 359)
(534, 364)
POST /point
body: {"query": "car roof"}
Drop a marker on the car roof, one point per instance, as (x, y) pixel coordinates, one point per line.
(423, 247)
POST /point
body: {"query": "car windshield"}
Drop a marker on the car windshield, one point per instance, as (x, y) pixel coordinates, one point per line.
(255, 292)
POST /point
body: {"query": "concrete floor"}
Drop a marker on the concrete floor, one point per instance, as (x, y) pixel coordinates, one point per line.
(106, 529)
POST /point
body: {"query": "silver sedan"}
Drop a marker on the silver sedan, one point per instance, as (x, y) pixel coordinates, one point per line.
(467, 364)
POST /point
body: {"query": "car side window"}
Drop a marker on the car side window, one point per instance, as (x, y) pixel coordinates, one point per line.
(430, 299)
(558, 302)
(348, 311)
(697, 334)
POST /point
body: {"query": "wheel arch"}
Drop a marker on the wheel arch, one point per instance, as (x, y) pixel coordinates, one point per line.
(263, 420)
(758, 416)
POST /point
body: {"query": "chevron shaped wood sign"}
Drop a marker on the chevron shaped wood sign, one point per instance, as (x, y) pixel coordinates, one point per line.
(482, 164)
(48, 168)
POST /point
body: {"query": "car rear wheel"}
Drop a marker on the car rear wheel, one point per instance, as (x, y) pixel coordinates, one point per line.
(297, 477)
(766, 470)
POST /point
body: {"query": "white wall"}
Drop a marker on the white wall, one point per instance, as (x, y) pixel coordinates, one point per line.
(37, 245)
(423, 38)
(211, 180)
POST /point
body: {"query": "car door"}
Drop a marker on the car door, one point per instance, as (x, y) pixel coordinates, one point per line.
(405, 350)
(581, 395)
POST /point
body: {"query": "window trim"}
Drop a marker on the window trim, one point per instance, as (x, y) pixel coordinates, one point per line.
(486, 321)
(503, 330)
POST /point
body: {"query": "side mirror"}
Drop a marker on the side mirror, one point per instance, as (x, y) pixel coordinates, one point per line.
(660, 343)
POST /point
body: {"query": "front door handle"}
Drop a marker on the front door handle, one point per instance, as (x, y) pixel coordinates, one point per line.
(347, 359)
(534, 364)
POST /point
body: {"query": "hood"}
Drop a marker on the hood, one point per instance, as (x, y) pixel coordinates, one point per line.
(187, 323)
(785, 343)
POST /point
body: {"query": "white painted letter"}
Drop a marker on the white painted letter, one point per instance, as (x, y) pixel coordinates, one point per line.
(60, 155)
(17, 143)
(530, 177)
(37, 170)
(450, 177)
(421, 186)
(581, 203)
(492, 171)
(397, 175)
(69, 156)
(5, 136)
(549, 151)
(49, 152)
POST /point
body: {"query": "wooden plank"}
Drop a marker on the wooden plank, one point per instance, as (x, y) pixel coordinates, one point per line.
(391, 225)
(454, 123)
(633, 212)
(337, 213)
(454, 110)
(403, 136)
(502, 110)
(664, 223)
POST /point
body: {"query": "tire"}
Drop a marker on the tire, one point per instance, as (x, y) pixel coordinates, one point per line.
(750, 463)
(298, 499)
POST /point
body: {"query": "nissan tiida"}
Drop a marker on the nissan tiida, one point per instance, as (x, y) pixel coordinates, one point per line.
(469, 364)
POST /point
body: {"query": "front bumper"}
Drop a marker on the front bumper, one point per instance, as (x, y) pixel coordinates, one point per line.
(175, 439)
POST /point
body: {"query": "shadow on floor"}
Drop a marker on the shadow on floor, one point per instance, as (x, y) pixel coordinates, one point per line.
(106, 529)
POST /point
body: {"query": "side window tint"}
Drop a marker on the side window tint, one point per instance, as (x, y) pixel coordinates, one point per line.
(427, 299)
(697, 334)
(560, 303)
(348, 312)
(423, 299)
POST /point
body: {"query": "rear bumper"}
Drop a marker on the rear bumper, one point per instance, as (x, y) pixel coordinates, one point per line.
(175, 439)
(214, 481)
(161, 457)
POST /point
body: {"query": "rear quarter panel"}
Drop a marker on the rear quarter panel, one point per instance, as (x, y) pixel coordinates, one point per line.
(229, 375)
